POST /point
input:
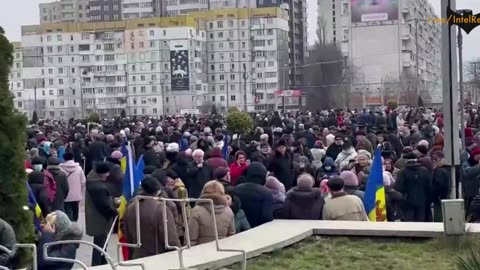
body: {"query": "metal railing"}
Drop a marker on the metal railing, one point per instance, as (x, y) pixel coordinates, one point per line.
(12, 253)
(187, 232)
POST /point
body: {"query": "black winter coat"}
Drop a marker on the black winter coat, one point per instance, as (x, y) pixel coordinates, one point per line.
(333, 150)
(62, 187)
(35, 179)
(303, 204)
(197, 178)
(282, 168)
(441, 184)
(415, 183)
(67, 251)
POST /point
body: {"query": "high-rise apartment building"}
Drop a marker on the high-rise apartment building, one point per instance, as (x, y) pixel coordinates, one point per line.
(183, 7)
(64, 11)
(132, 9)
(104, 10)
(392, 49)
(152, 66)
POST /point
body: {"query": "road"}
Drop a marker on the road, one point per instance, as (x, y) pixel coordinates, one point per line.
(84, 253)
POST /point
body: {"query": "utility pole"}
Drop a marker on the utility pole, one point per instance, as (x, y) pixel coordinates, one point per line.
(245, 77)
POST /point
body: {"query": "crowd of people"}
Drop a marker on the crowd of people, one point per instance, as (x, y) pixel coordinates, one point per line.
(311, 166)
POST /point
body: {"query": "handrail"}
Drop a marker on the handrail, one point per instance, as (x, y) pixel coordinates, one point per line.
(63, 242)
(110, 233)
(12, 253)
(187, 236)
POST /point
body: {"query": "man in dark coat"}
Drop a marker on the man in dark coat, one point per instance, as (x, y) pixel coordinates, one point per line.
(281, 165)
(256, 199)
(149, 155)
(61, 183)
(440, 184)
(335, 148)
(8, 240)
(415, 183)
(97, 151)
(198, 174)
(99, 209)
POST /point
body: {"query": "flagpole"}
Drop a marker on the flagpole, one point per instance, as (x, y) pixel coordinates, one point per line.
(130, 167)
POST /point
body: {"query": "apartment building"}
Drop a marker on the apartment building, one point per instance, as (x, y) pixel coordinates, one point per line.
(389, 50)
(64, 11)
(104, 10)
(184, 7)
(152, 66)
(132, 9)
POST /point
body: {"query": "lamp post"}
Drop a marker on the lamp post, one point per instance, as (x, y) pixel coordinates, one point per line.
(460, 79)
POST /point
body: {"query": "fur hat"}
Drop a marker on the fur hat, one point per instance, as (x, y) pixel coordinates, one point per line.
(364, 153)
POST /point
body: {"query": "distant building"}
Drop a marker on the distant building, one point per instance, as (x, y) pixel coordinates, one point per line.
(64, 11)
(389, 51)
(152, 66)
(104, 10)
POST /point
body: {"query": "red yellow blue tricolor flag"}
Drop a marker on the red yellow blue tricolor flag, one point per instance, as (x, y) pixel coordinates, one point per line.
(374, 198)
(131, 182)
(35, 208)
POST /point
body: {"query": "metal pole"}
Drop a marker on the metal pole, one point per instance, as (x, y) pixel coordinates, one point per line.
(460, 74)
(228, 95)
(245, 77)
(416, 59)
(284, 86)
(449, 85)
(163, 98)
(81, 101)
(35, 96)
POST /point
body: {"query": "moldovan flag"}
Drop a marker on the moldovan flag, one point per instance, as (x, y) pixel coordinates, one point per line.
(374, 198)
(35, 208)
(130, 183)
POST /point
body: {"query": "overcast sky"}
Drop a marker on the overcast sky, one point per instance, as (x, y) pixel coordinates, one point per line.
(21, 12)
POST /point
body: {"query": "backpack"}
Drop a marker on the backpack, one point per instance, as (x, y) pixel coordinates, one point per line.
(50, 185)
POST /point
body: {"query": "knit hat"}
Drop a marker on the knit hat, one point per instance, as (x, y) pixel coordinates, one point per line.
(424, 143)
(173, 147)
(349, 178)
(62, 223)
(475, 151)
(336, 184)
(221, 172)
(102, 168)
(364, 153)
(150, 185)
(305, 181)
(117, 155)
(422, 149)
(53, 161)
(274, 184)
(281, 142)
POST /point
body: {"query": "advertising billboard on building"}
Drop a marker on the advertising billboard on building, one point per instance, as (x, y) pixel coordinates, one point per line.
(374, 10)
(179, 70)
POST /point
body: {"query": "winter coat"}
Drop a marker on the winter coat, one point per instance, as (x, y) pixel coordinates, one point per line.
(415, 183)
(303, 204)
(7, 239)
(151, 216)
(62, 187)
(426, 162)
(215, 159)
(282, 169)
(65, 251)
(236, 171)
(441, 184)
(201, 225)
(256, 199)
(345, 157)
(76, 181)
(394, 202)
(149, 157)
(97, 151)
(36, 181)
(318, 155)
(278, 203)
(115, 178)
(99, 210)
(471, 179)
(344, 207)
(197, 178)
(241, 222)
(333, 151)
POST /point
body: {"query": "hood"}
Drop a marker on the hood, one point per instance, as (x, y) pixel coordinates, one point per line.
(219, 202)
(69, 166)
(46, 147)
(215, 152)
(329, 162)
(304, 198)
(257, 173)
(74, 233)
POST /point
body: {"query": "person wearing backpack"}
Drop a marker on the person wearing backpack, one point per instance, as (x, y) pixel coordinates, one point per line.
(76, 185)
(60, 178)
(49, 183)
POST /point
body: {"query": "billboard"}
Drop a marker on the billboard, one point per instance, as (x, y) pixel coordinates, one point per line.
(179, 70)
(374, 10)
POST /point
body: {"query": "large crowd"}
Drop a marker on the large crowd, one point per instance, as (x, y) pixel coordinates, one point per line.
(311, 166)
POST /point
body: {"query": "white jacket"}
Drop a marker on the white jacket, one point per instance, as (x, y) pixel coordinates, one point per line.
(344, 158)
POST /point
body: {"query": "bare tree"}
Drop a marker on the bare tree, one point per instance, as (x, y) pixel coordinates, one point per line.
(472, 71)
(327, 77)
(322, 30)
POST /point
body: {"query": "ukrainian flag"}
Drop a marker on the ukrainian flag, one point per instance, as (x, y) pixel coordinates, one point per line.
(35, 208)
(374, 198)
(133, 175)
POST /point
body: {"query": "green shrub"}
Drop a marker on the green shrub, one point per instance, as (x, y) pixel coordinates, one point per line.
(239, 122)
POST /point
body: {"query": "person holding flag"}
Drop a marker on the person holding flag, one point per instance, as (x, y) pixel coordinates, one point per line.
(374, 198)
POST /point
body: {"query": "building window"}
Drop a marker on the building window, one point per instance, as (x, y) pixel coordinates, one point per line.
(19, 104)
(60, 92)
(232, 98)
(220, 24)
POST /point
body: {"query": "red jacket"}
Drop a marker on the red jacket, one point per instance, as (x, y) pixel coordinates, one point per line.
(235, 171)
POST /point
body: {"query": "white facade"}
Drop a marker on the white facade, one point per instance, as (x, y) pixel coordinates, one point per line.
(64, 11)
(385, 51)
(183, 7)
(132, 9)
(142, 67)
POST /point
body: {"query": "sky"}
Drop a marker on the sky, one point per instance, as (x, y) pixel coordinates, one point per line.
(24, 12)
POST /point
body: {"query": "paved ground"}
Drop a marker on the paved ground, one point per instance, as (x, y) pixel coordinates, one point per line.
(84, 253)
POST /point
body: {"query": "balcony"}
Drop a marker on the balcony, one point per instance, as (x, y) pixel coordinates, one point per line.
(406, 59)
(406, 32)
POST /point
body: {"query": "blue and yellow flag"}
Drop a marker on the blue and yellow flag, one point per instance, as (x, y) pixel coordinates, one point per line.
(374, 198)
(35, 208)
